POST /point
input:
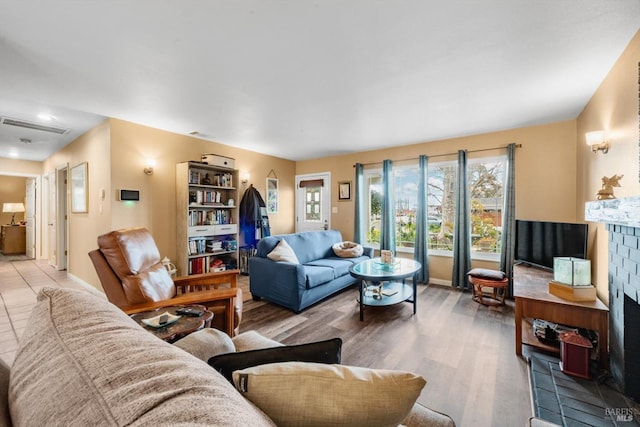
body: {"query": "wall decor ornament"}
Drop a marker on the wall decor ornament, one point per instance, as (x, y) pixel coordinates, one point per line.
(606, 192)
(79, 186)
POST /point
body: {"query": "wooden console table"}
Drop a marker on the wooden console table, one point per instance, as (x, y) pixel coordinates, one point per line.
(533, 301)
(14, 239)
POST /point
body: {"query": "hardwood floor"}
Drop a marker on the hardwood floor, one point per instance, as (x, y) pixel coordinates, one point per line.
(463, 349)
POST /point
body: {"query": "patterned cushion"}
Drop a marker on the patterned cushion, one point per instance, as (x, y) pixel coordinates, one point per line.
(82, 361)
(315, 394)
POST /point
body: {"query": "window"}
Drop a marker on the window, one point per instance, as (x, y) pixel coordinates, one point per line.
(312, 203)
(486, 182)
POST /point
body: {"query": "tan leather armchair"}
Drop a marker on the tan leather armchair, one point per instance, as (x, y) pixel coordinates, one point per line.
(133, 278)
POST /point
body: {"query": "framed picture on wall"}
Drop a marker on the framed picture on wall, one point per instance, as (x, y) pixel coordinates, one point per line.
(79, 184)
(272, 195)
(344, 190)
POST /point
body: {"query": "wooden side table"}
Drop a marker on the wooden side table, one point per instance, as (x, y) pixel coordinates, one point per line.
(14, 239)
(179, 329)
(533, 301)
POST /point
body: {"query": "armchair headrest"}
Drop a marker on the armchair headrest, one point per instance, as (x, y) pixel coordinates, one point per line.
(129, 251)
(135, 259)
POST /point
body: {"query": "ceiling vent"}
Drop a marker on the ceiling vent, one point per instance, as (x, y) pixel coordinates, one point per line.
(31, 125)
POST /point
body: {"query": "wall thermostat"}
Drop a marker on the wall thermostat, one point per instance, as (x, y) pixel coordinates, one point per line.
(125, 195)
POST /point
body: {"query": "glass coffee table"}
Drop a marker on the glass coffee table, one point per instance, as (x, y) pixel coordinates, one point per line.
(384, 284)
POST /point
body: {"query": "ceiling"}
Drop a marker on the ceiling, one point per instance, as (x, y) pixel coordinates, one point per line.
(302, 79)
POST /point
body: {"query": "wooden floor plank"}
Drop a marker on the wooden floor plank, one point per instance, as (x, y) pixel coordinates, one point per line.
(463, 349)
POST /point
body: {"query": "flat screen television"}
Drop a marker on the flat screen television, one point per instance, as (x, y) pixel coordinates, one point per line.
(538, 242)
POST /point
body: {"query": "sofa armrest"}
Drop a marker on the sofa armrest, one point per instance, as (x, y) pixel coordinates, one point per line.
(367, 251)
(422, 416)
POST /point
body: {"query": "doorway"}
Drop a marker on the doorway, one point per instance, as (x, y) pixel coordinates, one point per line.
(55, 191)
(313, 202)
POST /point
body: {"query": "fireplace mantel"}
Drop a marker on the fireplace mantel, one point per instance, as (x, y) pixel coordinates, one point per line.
(624, 211)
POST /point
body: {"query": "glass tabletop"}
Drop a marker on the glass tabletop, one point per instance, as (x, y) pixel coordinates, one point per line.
(375, 269)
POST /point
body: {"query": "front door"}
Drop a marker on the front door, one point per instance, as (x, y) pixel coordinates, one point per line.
(313, 202)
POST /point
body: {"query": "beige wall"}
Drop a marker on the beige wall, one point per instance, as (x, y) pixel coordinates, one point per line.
(614, 107)
(545, 175)
(132, 144)
(20, 167)
(12, 190)
(93, 148)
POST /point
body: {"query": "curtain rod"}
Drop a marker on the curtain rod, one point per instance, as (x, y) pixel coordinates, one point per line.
(441, 155)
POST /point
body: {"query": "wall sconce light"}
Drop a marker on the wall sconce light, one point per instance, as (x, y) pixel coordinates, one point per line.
(148, 166)
(598, 141)
(244, 178)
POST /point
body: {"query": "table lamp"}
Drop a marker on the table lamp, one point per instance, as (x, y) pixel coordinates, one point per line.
(13, 208)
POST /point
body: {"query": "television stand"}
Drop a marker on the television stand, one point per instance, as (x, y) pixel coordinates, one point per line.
(533, 301)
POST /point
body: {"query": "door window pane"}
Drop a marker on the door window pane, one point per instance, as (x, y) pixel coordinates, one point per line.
(312, 204)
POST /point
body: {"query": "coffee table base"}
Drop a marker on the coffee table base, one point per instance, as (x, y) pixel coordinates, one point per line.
(380, 294)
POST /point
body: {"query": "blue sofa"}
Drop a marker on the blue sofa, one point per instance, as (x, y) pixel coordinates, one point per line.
(297, 286)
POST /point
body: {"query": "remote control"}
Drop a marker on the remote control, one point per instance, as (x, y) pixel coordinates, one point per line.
(190, 312)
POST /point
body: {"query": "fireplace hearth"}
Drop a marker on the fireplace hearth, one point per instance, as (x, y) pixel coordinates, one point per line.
(622, 219)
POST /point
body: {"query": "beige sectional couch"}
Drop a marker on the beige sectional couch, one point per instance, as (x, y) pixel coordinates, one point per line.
(81, 361)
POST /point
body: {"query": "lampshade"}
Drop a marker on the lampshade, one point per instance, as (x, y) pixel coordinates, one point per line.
(13, 207)
(596, 137)
(598, 140)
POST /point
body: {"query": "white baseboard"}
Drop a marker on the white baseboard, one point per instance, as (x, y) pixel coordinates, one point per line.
(440, 282)
(86, 286)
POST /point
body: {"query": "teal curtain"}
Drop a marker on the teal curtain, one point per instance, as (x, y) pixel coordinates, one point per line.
(359, 220)
(509, 218)
(388, 221)
(420, 250)
(462, 228)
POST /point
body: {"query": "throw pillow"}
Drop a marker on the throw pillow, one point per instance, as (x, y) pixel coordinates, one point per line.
(312, 394)
(348, 249)
(283, 252)
(252, 340)
(321, 352)
(485, 273)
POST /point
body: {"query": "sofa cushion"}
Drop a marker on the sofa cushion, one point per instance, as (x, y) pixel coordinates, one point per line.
(317, 275)
(206, 343)
(485, 273)
(307, 245)
(327, 351)
(252, 340)
(283, 252)
(313, 394)
(339, 266)
(82, 361)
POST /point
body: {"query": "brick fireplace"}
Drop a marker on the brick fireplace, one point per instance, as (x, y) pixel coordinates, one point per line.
(622, 217)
